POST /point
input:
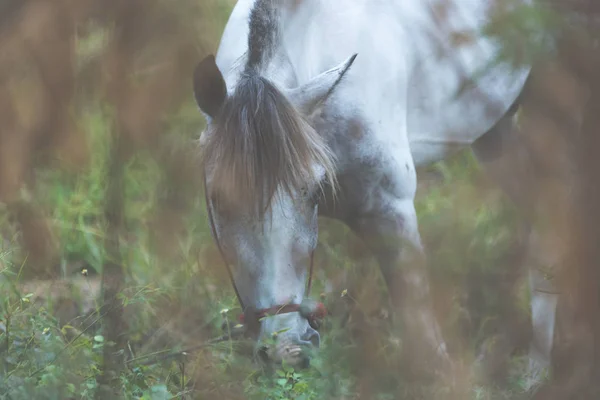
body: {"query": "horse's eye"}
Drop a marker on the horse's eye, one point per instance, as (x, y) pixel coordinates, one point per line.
(315, 196)
(305, 193)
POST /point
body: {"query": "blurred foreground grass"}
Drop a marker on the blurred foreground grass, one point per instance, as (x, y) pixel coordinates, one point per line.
(176, 289)
(468, 228)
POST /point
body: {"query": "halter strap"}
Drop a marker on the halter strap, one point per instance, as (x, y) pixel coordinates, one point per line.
(214, 233)
(277, 309)
(318, 311)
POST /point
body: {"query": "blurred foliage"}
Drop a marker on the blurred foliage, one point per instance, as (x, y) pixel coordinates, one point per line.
(77, 74)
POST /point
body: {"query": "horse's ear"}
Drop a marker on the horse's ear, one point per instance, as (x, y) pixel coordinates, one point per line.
(310, 95)
(210, 90)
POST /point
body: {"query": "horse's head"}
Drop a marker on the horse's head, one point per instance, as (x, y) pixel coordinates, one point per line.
(265, 167)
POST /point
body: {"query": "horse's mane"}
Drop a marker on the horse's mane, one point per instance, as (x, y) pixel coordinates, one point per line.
(259, 144)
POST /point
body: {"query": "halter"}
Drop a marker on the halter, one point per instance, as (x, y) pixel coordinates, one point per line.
(312, 313)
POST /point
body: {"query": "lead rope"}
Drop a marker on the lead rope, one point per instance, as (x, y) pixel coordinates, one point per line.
(216, 237)
(310, 274)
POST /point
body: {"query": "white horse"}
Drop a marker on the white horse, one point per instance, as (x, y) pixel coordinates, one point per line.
(326, 108)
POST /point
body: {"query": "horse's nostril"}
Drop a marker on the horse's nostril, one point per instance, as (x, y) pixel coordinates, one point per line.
(263, 354)
(313, 337)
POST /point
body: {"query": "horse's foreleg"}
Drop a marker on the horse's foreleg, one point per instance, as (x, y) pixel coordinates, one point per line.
(392, 235)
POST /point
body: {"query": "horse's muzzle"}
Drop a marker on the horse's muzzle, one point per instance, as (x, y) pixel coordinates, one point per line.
(289, 349)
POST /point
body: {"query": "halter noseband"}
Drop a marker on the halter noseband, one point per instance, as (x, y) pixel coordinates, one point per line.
(312, 311)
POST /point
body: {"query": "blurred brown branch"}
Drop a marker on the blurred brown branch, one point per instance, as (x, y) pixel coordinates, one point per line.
(147, 49)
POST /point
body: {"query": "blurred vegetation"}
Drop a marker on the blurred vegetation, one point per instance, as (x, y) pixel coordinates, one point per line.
(92, 86)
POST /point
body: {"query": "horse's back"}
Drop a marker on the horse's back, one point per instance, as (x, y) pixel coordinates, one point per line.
(415, 67)
(457, 91)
